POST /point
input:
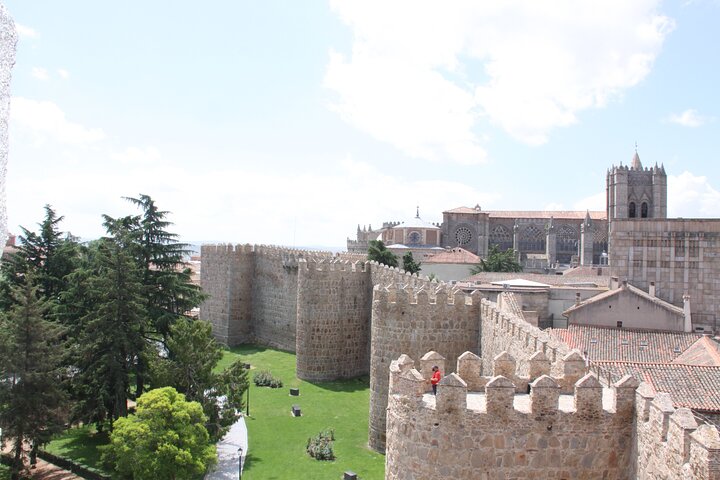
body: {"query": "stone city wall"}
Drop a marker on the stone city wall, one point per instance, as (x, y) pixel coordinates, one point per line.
(414, 319)
(333, 319)
(252, 293)
(503, 330)
(501, 435)
(227, 276)
(670, 443)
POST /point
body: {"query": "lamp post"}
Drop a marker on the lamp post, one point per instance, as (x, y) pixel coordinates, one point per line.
(240, 452)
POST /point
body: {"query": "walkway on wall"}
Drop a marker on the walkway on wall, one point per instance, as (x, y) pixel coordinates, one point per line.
(228, 452)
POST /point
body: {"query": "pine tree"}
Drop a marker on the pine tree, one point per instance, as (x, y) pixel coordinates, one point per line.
(30, 393)
(409, 263)
(111, 338)
(378, 251)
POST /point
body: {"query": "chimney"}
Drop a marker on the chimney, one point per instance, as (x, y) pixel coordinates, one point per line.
(577, 298)
(686, 311)
(651, 290)
(613, 283)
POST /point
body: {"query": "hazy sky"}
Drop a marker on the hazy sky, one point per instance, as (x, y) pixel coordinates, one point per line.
(291, 122)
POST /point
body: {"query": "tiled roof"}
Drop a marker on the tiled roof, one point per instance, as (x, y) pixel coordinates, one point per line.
(605, 344)
(455, 255)
(557, 215)
(627, 288)
(691, 386)
(462, 210)
(705, 351)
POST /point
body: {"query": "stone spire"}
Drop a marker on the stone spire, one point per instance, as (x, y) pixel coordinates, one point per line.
(636, 164)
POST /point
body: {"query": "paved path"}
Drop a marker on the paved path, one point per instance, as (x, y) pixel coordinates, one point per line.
(227, 448)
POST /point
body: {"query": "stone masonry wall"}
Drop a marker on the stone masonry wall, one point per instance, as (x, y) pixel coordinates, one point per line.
(333, 319)
(429, 316)
(504, 331)
(274, 309)
(505, 435)
(679, 255)
(670, 444)
(227, 277)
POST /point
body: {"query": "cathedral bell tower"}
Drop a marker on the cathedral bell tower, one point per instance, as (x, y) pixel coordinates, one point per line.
(635, 192)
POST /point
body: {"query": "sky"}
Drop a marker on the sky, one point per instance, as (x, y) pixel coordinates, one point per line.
(290, 123)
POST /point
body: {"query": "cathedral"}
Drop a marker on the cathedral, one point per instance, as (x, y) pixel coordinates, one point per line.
(539, 238)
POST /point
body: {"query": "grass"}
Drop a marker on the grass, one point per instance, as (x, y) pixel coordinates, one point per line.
(79, 445)
(277, 439)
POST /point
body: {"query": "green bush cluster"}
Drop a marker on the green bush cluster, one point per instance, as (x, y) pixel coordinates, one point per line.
(320, 447)
(264, 378)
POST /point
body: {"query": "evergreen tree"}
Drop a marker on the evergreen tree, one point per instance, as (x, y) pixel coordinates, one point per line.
(192, 356)
(378, 252)
(167, 287)
(30, 394)
(110, 339)
(497, 261)
(49, 255)
(409, 263)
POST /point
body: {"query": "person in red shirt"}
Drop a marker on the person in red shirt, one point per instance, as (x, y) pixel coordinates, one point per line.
(435, 379)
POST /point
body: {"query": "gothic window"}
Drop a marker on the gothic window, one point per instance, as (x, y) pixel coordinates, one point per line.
(567, 239)
(532, 240)
(501, 236)
(631, 210)
(463, 236)
(414, 238)
(644, 210)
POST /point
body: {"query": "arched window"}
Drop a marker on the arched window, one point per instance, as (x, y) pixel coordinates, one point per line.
(532, 240)
(501, 236)
(644, 210)
(631, 210)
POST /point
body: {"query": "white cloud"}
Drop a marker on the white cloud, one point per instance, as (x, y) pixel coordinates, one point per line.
(426, 78)
(44, 119)
(25, 31)
(688, 118)
(594, 203)
(39, 73)
(692, 196)
(134, 155)
(64, 74)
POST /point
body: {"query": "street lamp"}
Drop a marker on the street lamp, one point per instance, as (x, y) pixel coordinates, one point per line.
(240, 452)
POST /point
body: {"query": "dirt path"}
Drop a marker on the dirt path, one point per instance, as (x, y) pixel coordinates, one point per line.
(47, 471)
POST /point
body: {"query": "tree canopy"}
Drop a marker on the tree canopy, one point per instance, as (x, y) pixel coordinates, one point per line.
(378, 251)
(165, 439)
(409, 263)
(497, 261)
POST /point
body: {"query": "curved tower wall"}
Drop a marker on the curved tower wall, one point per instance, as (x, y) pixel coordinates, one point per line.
(414, 321)
(333, 320)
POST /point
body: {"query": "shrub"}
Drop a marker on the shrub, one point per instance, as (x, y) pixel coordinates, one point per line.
(320, 447)
(264, 378)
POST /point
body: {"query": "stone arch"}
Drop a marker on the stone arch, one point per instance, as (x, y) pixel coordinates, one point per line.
(644, 210)
(631, 210)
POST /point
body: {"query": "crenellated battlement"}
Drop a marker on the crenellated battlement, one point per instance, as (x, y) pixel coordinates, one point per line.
(671, 442)
(466, 434)
(423, 294)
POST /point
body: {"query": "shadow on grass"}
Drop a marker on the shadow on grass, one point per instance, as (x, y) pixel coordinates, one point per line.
(247, 349)
(350, 385)
(81, 446)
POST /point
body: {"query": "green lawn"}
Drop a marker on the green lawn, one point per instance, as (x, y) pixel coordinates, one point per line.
(277, 439)
(80, 446)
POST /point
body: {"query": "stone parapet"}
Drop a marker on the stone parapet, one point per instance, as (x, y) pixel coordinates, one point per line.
(502, 434)
(670, 442)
